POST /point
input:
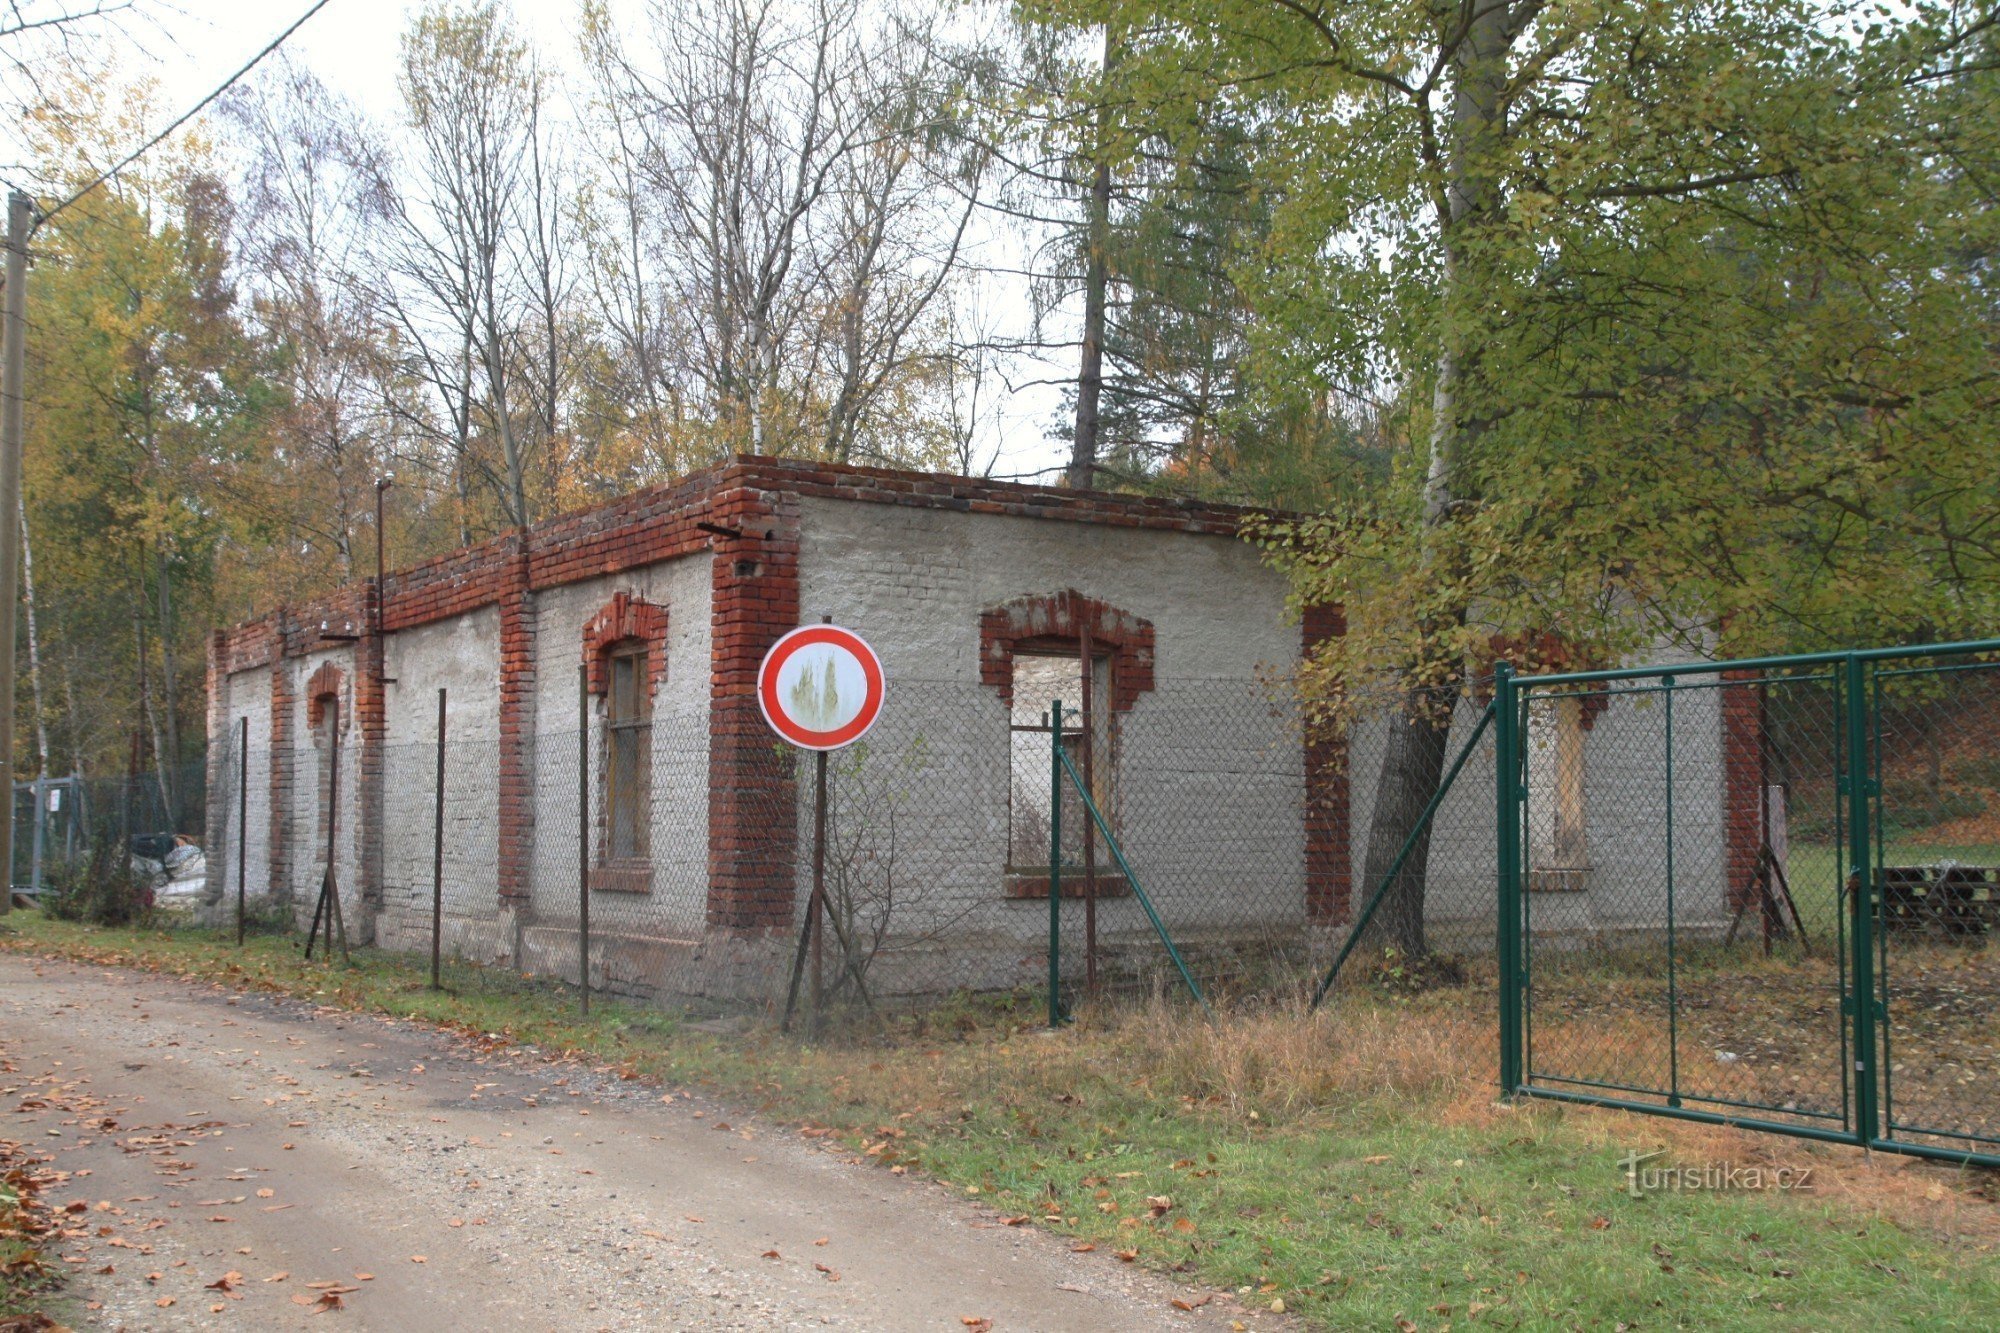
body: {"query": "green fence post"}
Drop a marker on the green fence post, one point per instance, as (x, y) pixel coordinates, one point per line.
(1866, 1124)
(1673, 967)
(1507, 859)
(1055, 862)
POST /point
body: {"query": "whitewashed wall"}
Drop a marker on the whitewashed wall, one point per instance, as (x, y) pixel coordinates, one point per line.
(247, 695)
(677, 902)
(461, 656)
(1203, 772)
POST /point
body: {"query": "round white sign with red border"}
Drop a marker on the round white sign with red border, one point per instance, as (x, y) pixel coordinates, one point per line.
(820, 687)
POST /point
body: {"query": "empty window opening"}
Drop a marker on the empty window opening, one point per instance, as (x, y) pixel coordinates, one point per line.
(1558, 848)
(1041, 679)
(628, 711)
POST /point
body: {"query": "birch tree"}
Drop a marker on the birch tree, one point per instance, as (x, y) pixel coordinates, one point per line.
(791, 200)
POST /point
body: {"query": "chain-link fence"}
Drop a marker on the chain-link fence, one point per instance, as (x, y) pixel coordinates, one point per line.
(1762, 892)
(134, 841)
(636, 855)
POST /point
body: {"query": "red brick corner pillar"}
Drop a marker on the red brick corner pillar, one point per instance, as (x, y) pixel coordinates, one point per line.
(371, 713)
(1329, 880)
(1742, 783)
(284, 711)
(517, 731)
(752, 815)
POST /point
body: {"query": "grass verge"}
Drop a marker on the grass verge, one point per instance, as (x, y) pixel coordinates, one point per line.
(1353, 1167)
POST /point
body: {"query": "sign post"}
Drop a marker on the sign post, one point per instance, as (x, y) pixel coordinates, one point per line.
(820, 688)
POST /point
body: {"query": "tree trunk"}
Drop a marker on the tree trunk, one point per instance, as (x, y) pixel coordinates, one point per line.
(149, 716)
(1413, 762)
(169, 687)
(1085, 448)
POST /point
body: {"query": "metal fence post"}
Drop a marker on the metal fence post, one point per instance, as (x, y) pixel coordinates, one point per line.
(242, 821)
(1055, 862)
(1507, 857)
(1866, 1120)
(583, 828)
(1673, 966)
(437, 850)
(39, 835)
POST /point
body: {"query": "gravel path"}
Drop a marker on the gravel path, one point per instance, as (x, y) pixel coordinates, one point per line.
(264, 1163)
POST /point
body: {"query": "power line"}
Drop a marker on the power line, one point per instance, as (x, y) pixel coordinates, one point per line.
(187, 115)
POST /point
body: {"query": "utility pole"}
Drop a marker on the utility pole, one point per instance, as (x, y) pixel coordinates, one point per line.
(13, 369)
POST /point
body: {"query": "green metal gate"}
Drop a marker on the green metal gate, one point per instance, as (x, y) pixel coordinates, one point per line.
(1762, 892)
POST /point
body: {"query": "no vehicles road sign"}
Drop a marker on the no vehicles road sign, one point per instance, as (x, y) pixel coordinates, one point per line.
(820, 687)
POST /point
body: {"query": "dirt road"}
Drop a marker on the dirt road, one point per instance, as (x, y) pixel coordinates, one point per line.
(273, 1160)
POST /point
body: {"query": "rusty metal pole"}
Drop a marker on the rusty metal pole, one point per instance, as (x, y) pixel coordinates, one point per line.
(583, 828)
(1089, 827)
(437, 850)
(818, 907)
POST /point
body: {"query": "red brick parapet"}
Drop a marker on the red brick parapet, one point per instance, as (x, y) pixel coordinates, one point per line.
(664, 522)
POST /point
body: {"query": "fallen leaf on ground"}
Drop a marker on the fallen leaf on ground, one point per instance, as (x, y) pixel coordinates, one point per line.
(279, 1276)
(1194, 1303)
(831, 1276)
(772, 1254)
(418, 1259)
(975, 1323)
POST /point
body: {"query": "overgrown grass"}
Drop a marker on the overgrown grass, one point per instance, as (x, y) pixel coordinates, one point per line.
(1353, 1166)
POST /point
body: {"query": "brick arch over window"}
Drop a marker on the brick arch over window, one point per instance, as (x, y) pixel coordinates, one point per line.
(1055, 620)
(327, 683)
(1537, 654)
(625, 618)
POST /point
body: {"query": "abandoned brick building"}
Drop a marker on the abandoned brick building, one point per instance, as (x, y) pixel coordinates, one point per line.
(647, 617)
